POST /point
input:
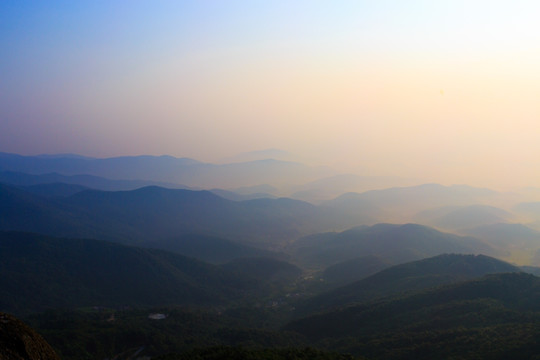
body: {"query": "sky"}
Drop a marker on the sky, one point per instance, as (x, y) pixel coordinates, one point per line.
(446, 91)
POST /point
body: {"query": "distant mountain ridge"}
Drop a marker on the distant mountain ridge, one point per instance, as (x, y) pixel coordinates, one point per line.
(462, 217)
(167, 169)
(55, 189)
(89, 181)
(259, 155)
(517, 235)
(328, 188)
(400, 204)
(394, 243)
(157, 213)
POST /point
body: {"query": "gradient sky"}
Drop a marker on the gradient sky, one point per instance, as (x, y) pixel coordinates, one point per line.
(446, 91)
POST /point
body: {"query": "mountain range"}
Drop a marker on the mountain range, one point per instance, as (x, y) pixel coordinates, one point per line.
(463, 217)
(147, 255)
(400, 204)
(26, 181)
(158, 213)
(393, 243)
(168, 169)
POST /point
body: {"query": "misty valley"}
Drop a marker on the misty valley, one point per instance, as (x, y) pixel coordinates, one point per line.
(165, 258)
(269, 180)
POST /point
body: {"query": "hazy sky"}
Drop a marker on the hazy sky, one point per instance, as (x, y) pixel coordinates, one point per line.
(448, 91)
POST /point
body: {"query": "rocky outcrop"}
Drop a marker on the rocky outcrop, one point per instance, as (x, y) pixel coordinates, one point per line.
(19, 341)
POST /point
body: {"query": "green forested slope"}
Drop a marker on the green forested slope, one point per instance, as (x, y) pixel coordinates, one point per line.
(39, 272)
(495, 317)
(412, 276)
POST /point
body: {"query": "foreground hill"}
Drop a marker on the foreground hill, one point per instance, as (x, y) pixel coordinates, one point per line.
(18, 341)
(495, 317)
(413, 276)
(238, 353)
(394, 243)
(192, 333)
(39, 272)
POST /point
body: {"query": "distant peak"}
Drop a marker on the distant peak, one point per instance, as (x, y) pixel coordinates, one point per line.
(63, 156)
(258, 155)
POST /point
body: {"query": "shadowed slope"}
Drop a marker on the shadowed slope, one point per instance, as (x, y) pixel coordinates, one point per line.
(411, 276)
(39, 272)
(494, 317)
(154, 213)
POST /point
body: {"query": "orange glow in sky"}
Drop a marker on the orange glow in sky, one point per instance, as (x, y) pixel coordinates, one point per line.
(446, 91)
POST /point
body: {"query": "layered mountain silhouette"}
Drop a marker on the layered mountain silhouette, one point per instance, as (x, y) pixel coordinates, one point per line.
(259, 155)
(158, 213)
(127, 167)
(531, 212)
(463, 217)
(504, 234)
(27, 181)
(231, 195)
(400, 204)
(331, 187)
(531, 208)
(54, 189)
(118, 235)
(393, 243)
(168, 169)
